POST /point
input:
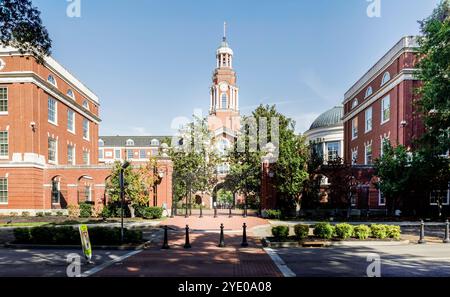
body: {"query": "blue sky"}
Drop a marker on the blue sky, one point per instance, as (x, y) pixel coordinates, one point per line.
(151, 61)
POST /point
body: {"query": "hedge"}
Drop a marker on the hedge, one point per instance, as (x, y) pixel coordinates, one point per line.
(71, 236)
(301, 231)
(362, 232)
(280, 232)
(324, 230)
(344, 231)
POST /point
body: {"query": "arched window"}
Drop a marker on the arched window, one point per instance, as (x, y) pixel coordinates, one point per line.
(386, 78)
(70, 94)
(51, 80)
(130, 142)
(224, 101)
(2, 64)
(101, 142)
(223, 146)
(369, 91)
(155, 142)
(355, 103)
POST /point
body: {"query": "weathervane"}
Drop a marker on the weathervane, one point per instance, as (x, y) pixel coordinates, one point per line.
(224, 31)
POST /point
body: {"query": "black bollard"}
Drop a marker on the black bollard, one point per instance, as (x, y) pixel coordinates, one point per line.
(244, 236)
(229, 213)
(422, 233)
(215, 212)
(446, 238)
(222, 240)
(187, 245)
(166, 241)
(201, 211)
(245, 210)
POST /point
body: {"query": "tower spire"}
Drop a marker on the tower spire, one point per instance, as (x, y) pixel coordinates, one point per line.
(224, 31)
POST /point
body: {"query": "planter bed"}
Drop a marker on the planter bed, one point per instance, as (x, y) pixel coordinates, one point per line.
(317, 242)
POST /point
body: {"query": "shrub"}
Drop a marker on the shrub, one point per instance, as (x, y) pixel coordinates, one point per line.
(39, 214)
(22, 235)
(106, 212)
(324, 230)
(74, 211)
(301, 231)
(393, 232)
(378, 231)
(362, 232)
(344, 231)
(85, 210)
(152, 213)
(274, 214)
(59, 213)
(66, 235)
(42, 235)
(25, 214)
(280, 232)
(48, 214)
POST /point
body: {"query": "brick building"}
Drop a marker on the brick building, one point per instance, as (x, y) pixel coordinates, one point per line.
(49, 123)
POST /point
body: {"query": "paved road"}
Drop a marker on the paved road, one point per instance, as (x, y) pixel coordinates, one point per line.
(46, 263)
(431, 260)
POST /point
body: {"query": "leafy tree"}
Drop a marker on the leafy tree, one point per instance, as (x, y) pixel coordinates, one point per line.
(21, 27)
(394, 169)
(224, 196)
(311, 193)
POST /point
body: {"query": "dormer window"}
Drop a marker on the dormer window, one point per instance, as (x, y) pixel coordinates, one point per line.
(130, 142)
(86, 104)
(51, 79)
(70, 94)
(355, 103)
(155, 142)
(101, 143)
(386, 78)
(369, 92)
(2, 64)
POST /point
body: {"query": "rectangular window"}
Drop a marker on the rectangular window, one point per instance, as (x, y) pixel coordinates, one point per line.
(85, 129)
(355, 128)
(354, 157)
(52, 150)
(87, 193)
(70, 155)
(117, 154)
(369, 119)
(3, 100)
(440, 196)
(333, 150)
(100, 154)
(56, 192)
(130, 154)
(71, 120)
(383, 142)
(86, 158)
(368, 154)
(3, 190)
(385, 109)
(52, 111)
(142, 154)
(381, 199)
(4, 146)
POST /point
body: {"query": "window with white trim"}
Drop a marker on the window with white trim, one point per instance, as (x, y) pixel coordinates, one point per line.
(117, 154)
(52, 111)
(130, 142)
(56, 191)
(86, 158)
(88, 193)
(368, 154)
(368, 114)
(71, 120)
(4, 144)
(52, 150)
(51, 79)
(381, 199)
(130, 154)
(224, 101)
(86, 104)
(384, 141)
(386, 78)
(70, 94)
(86, 129)
(101, 143)
(369, 92)
(355, 103)
(155, 142)
(332, 150)
(2, 64)
(354, 157)
(3, 190)
(385, 109)
(100, 154)
(355, 128)
(3, 100)
(440, 196)
(70, 154)
(142, 154)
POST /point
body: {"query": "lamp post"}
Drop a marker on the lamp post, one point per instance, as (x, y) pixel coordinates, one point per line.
(124, 166)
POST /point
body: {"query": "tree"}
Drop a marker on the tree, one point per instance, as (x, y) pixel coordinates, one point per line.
(394, 170)
(21, 27)
(432, 166)
(311, 193)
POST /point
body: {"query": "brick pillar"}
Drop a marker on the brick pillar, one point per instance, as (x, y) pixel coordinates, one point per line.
(165, 166)
(268, 193)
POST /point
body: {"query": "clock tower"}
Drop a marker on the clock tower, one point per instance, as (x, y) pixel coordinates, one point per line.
(224, 93)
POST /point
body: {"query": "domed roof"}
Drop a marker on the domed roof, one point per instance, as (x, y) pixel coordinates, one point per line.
(224, 48)
(329, 118)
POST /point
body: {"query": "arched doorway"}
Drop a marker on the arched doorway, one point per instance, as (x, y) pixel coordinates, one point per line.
(58, 193)
(223, 198)
(85, 188)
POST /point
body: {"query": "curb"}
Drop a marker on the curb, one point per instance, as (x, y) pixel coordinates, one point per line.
(75, 247)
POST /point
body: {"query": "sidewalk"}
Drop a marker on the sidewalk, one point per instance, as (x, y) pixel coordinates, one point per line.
(204, 259)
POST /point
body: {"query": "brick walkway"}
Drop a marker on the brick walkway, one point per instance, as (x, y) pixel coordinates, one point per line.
(204, 259)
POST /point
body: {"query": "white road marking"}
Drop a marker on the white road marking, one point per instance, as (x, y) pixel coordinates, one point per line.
(107, 264)
(285, 270)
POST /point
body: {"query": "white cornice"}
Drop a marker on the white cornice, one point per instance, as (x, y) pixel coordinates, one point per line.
(57, 68)
(31, 77)
(406, 44)
(407, 74)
